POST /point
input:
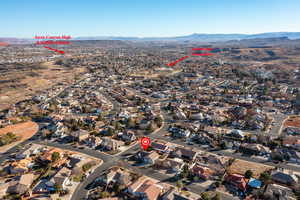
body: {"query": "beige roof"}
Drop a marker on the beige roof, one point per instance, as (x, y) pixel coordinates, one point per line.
(134, 186)
(150, 189)
(26, 179)
(153, 155)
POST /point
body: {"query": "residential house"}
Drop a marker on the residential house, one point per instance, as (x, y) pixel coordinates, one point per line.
(237, 181)
(151, 157)
(58, 129)
(62, 178)
(122, 177)
(80, 135)
(145, 188)
(161, 147)
(214, 162)
(237, 134)
(108, 177)
(173, 194)
(175, 164)
(185, 153)
(93, 141)
(179, 132)
(33, 150)
(111, 144)
(22, 185)
(284, 177)
(4, 186)
(290, 130)
(294, 155)
(144, 124)
(256, 149)
(292, 141)
(99, 125)
(201, 171)
(128, 136)
(196, 116)
(179, 114)
(46, 157)
(275, 191)
(21, 166)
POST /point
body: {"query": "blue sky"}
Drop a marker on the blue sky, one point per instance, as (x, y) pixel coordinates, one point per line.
(146, 18)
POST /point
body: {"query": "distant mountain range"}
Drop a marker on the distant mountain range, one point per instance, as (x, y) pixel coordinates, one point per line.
(199, 37)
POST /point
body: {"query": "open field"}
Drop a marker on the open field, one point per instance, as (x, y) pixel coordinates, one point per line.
(22, 84)
(241, 166)
(23, 130)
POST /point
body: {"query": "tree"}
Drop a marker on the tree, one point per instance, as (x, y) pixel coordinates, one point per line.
(196, 178)
(265, 177)
(225, 91)
(118, 126)
(217, 196)
(104, 194)
(179, 184)
(223, 144)
(205, 196)
(86, 167)
(110, 131)
(58, 62)
(217, 184)
(265, 91)
(55, 157)
(158, 120)
(100, 117)
(130, 123)
(248, 174)
(277, 157)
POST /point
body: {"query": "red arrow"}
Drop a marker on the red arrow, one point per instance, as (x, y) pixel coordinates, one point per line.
(177, 61)
(58, 51)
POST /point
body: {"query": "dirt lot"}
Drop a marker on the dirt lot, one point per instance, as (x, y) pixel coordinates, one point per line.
(23, 84)
(24, 130)
(241, 166)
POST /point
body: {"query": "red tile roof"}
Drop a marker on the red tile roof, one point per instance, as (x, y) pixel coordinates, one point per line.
(237, 180)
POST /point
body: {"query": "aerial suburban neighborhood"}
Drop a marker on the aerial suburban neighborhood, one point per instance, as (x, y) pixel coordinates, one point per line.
(195, 117)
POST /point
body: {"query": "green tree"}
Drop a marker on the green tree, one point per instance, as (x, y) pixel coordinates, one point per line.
(158, 120)
(110, 131)
(265, 177)
(205, 196)
(248, 174)
(104, 194)
(217, 196)
(130, 123)
(86, 167)
(118, 126)
(265, 91)
(100, 117)
(179, 184)
(55, 157)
